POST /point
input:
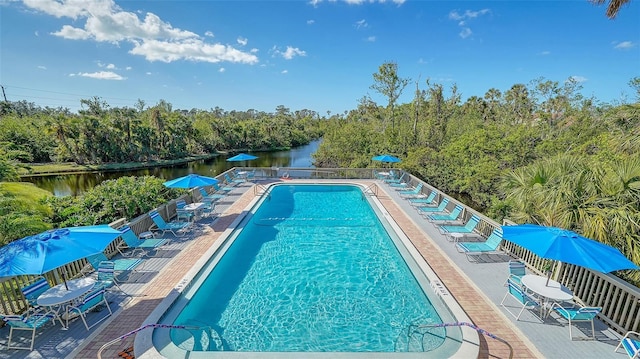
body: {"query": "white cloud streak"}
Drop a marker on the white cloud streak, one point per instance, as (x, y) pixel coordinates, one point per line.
(151, 37)
(289, 53)
(360, 2)
(624, 45)
(101, 75)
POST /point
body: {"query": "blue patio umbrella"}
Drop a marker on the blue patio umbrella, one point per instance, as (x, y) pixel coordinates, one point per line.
(241, 157)
(568, 247)
(191, 180)
(386, 158)
(41, 253)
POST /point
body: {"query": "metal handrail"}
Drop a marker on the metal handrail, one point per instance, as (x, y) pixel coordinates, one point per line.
(465, 324)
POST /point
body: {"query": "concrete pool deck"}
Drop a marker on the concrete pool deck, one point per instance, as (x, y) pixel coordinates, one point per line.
(478, 287)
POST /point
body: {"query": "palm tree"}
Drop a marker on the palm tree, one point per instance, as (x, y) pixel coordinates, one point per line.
(613, 7)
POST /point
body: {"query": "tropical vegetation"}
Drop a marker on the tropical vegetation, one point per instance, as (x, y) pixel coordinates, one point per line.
(536, 153)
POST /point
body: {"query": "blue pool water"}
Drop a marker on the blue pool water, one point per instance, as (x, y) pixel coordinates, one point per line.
(313, 269)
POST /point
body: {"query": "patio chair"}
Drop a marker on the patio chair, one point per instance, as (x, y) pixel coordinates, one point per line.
(631, 344)
(427, 210)
(182, 214)
(121, 266)
(160, 225)
(471, 249)
(413, 192)
(468, 228)
(422, 200)
(131, 241)
(514, 290)
(393, 177)
(33, 290)
(445, 216)
(91, 301)
(210, 197)
(578, 313)
(234, 180)
(106, 277)
(29, 321)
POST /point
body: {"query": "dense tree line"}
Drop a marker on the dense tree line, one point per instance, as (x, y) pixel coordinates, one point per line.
(535, 153)
(101, 134)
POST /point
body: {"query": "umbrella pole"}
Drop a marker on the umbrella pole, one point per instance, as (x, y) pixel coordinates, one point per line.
(63, 273)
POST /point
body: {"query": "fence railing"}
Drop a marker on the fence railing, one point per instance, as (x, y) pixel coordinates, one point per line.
(620, 301)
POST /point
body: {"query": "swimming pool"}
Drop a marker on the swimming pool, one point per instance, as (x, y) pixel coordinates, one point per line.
(311, 268)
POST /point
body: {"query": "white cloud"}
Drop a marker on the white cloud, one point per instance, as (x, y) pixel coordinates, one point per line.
(148, 73)
(466, 32)
(468, 14)
(36, 33)
(624, 45)
(361, 24)
(462, 20)
(311, 22)
(209, 34)
(151, 37)
(578, 79)
(242, 41)
(100, 75)
(222, 69)
(371, 39)
(289, 53)
(42, 67)
(193, 50)
(284, 72)
(111, 67)
(545, 53)
(128, 68)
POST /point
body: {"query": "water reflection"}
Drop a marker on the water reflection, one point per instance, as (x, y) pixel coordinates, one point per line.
(78, 183)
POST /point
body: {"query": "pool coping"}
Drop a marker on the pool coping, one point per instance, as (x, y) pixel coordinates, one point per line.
(469, 346)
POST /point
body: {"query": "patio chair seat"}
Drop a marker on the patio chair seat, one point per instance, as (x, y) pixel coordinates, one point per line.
(631, 344)
(131, 241)
(160, 225)
(30, 322)
(445, 216)
(578, 314)
(443, 204)
(423, 201)
(491, 245)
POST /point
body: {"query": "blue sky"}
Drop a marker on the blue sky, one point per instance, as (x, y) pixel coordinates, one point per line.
(316, 55)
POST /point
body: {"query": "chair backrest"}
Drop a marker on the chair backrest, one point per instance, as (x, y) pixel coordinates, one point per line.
(106, 270)
(431, 197)
(180, 204)
(455, 212)
(418, 188)
(516, 291)
(216, 186)
(472, 223)
(517, 268)
(157, 219)
(32, 291)
(129, 237)
(95, 260)
(443, 204)
(631, 345)
(203, 192)
(92, 299)
(227, 178)
(494, 239)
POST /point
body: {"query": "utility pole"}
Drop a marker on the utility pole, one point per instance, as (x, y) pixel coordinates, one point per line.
(3, 94)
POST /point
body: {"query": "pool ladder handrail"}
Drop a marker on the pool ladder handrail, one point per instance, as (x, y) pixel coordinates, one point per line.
(371, 189)
(259, 190)
(461, 324)
(156, 325)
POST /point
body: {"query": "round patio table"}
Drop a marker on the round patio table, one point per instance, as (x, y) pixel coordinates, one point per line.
(549, 293)
(55, 297)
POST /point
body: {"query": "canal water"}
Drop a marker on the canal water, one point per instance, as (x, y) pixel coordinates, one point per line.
(75, 184)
